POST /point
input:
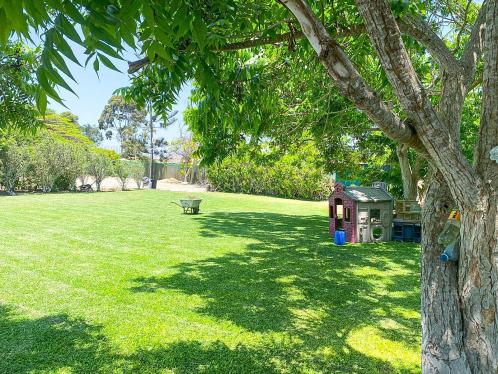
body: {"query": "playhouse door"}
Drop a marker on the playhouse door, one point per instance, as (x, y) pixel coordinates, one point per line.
(363, 226)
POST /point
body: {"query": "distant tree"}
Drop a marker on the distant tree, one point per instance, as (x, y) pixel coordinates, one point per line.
(185, 147)
(71, 117)
(158, 148)
(93, 133)
(122, 171)
(155, 92)
(75, 157)
(123, 120)
(48, 162)
(136, 170)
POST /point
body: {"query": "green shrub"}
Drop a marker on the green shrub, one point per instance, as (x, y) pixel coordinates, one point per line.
(99, 167)
(291, 175)
(14, 163)
(123, 172)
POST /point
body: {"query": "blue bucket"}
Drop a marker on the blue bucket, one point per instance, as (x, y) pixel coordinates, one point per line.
(340, 237)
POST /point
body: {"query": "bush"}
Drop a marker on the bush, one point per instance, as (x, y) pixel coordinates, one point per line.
(48, 162)
(294, 176)
(99, 167)
(14, 163)
(122, 171)
(136, 172)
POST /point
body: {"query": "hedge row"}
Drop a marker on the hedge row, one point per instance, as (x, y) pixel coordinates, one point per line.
(284, 178)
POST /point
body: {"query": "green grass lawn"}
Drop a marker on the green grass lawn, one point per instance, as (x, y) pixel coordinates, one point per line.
(122, 282)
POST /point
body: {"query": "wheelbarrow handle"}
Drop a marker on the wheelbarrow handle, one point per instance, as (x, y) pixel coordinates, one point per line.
(173, 202)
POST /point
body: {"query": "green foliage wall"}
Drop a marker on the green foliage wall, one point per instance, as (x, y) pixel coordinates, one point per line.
(52, 159)
(293, 174)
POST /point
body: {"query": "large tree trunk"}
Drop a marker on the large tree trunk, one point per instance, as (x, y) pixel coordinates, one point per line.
(478, 270)
(442, 325)
(459, 300)
(478, 286)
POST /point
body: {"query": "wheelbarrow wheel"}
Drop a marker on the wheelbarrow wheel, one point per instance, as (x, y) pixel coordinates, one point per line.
(195, 210)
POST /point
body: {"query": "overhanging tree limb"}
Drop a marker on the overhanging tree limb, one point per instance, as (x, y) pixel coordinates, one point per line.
(474, 47)
(422, 32)
(347, 78)
(357, 30)
(488, 131)
(443, 149)
(414, 27)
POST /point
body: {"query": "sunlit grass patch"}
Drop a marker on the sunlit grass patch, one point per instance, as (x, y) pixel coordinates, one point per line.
(123, 282)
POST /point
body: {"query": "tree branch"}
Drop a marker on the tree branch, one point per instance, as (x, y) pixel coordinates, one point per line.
(445, 151)
(347, 78)
(422, 32)
(474, 48)
(488, 131)
(134, 66)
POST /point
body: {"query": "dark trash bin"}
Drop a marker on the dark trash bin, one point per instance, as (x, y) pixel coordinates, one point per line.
(153, 183)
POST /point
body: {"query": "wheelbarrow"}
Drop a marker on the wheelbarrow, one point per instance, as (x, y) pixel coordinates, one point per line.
(189, 206)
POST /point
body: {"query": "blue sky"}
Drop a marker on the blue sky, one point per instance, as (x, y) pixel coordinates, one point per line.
(94, 91)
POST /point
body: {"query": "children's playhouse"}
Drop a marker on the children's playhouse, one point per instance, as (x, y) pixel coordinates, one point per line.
(364, 213)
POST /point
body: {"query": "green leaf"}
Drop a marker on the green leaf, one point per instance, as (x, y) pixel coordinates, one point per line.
(148, 14)
(4, 27)
(96, 66)
(37, 12)
(129, 8)
(73, 12)
(41, 101)
(90, 55)
(69, 29)
(64, 47)
(161, 51)
(199, 32)
(107, 49)
(163, 37)
(108, 62)
(56, 78)
(14, 12)
(45, 85)
(60, 63)
(129, 38)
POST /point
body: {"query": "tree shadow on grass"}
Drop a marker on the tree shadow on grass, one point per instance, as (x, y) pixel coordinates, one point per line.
(292, 280)
(49, 343)
(60, 343)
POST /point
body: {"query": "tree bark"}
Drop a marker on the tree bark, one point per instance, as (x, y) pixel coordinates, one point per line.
(409, 175)
(442, 325)
(478, 270)
(478, 286)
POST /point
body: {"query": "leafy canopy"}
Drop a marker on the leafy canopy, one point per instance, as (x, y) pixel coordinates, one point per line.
(18, 87)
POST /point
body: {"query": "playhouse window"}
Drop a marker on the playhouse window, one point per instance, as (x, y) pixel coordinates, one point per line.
(331, 211)
(347, 215)
(339, 211)
(374, 215)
